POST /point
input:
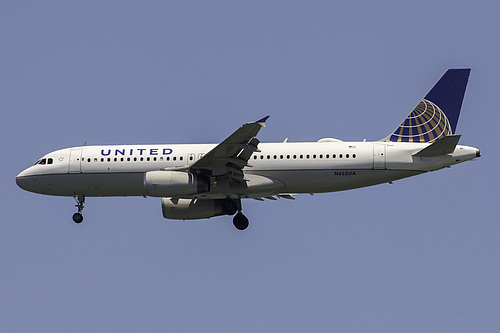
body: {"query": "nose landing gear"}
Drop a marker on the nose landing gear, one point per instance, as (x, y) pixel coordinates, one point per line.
(78, 217)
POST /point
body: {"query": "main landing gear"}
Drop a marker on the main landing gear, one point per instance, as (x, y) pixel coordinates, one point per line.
(78, 217)
(230, 207)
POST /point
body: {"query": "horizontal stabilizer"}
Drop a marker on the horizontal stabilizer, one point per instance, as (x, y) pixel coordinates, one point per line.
(445, 145)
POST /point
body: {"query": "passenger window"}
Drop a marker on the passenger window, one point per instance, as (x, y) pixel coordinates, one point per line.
(168, 158)
(340, 155)
(307, 156)
(161, 158)
(334, 156)
(154, 158)
(147, 159)
(314, 156)
(261, 157)
(180, 158)
(301, 156)
(287, 157)
(320, 156)
(174, 158)
(142, 159)
(121, 159)
(275, 156)
(346, 155)
(353, 155)
(128, 159)
(102, 159)
(109, 159)
(281, 157)
(95, 159)
(327, 156)
(135, 159)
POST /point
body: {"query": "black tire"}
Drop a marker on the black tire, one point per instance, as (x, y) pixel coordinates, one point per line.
(229, 207)
(240, 221)
(77, 218)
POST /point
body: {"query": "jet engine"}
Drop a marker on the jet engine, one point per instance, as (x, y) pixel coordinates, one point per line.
(174, 183)
(191, 209)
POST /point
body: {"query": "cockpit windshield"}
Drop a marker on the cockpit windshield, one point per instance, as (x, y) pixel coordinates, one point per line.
(44, 161)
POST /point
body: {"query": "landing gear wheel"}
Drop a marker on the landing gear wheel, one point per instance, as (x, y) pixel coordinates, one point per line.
(229, 206)
(240, 221)
(77, 218)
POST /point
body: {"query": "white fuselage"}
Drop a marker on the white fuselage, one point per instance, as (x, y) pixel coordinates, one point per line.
(302, 167)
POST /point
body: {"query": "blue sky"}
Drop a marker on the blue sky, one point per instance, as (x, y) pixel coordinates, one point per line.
(418, 255)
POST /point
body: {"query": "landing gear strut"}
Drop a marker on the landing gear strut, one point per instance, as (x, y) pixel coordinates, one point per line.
(78, 217)
(230, 207)
(240, 221)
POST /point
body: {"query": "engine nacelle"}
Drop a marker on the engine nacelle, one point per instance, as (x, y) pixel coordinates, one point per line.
(191, 209)
(174, 183)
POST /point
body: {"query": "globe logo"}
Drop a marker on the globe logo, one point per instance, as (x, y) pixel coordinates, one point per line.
(426, 123)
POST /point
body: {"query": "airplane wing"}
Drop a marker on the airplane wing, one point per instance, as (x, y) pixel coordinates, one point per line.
(231, 155)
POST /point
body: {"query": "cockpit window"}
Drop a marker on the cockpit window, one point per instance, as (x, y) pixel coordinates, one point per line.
(44, 161)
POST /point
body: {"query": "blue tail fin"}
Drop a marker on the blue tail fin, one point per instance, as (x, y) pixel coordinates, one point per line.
(437, 113)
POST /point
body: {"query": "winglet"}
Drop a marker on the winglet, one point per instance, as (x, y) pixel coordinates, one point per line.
(262, 121)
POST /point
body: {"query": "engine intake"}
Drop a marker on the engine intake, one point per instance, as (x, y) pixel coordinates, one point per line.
(174, 183)
(191, 209)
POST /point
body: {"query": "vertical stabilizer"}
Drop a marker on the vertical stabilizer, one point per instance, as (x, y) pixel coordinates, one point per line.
(437, 113)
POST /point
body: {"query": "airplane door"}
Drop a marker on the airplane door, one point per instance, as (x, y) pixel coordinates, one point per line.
(75, 160)
(379, 157)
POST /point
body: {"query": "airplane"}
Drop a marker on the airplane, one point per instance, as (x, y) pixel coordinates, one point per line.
(198, 181)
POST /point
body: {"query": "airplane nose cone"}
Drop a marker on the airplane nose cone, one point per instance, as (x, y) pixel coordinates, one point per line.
(478, 153)
(24, 179)
(21, 181)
